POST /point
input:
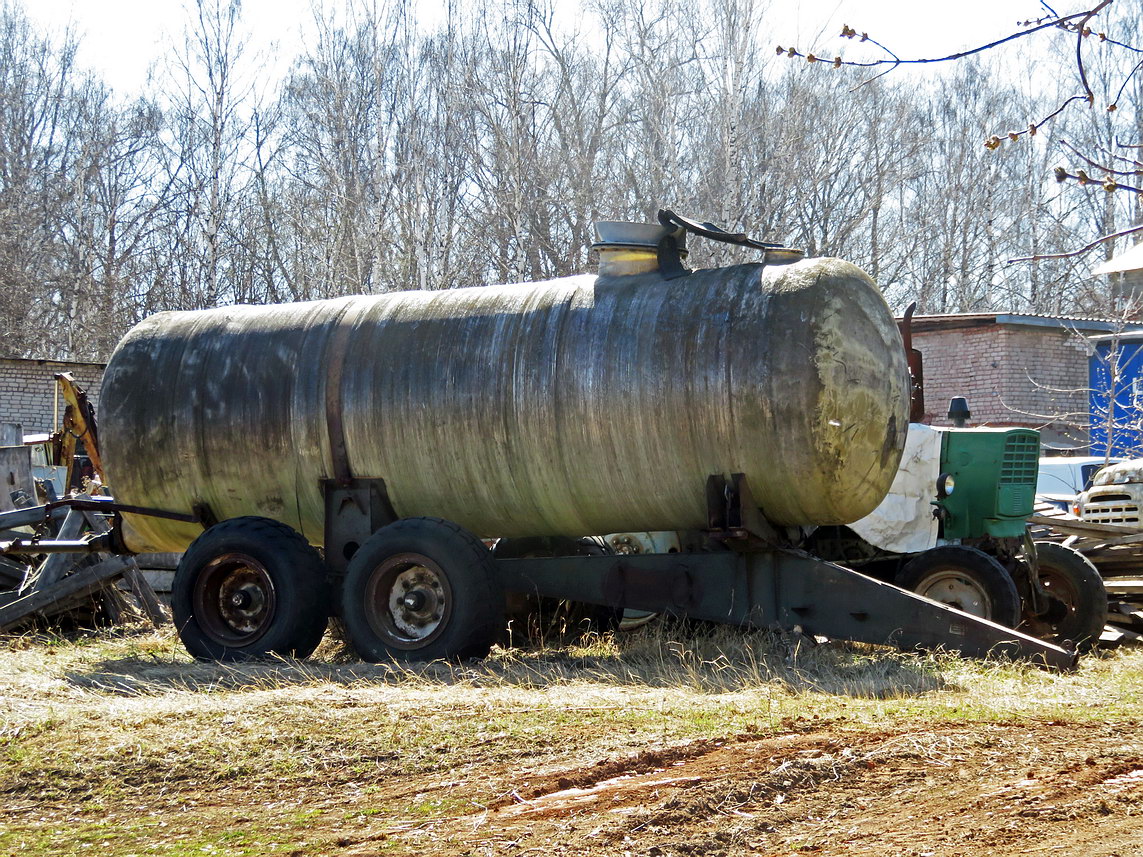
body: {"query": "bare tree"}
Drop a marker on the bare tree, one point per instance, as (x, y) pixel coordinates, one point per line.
(204, 152)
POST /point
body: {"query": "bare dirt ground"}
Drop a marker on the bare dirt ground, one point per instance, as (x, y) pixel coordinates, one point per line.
(125, 747)
(1047, 788)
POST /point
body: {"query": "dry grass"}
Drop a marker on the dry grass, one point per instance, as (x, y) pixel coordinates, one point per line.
(95, 725)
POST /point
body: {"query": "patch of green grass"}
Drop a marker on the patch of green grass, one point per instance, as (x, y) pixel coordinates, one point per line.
(442, 807)
(366, 812)
(305, 817)
(152, 838)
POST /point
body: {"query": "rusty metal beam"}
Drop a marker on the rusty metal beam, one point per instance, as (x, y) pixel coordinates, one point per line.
(780, 589)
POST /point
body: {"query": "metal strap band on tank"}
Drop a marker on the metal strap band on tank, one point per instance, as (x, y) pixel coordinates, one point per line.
(335, 369)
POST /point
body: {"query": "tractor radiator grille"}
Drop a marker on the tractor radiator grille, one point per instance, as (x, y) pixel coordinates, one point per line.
(1021, 462)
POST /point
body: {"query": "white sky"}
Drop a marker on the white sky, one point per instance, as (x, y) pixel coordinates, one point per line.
(122, 38)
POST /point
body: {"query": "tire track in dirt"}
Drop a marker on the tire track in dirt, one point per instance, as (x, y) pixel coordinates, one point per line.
(965, 790)
(545, 790)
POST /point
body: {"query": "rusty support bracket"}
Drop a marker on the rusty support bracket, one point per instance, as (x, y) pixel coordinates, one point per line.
(204, 515)
(354, 510)
(733, 517)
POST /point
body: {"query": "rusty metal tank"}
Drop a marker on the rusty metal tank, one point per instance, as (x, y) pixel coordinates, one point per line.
(577, 406)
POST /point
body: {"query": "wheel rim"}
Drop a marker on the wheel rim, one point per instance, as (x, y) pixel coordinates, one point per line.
(1062, 601)
(234, 599)
(408, 601)
(956, 589)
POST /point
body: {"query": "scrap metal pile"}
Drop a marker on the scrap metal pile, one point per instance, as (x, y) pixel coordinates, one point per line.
(56, 562)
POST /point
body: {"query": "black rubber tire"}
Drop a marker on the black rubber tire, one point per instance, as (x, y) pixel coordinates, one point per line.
(451, 579)
(965, 578)
(281, 576)
(557, 621)
(1081, 612)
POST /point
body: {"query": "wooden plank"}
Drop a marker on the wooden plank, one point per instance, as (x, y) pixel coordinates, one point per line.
(1123, 586)
(12, 573)
(112, 603)
(161, 581)
(56, 565)
(158, 561)
(142, 590)
(1113, 637)
(1112, 568)
(83, 582)
(1128, 614)
(1076, 526)
(1100, 544)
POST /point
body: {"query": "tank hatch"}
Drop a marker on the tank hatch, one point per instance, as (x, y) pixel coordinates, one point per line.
(639, 248)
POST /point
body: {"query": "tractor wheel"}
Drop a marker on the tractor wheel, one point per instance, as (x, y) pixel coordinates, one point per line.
(556, 621)
(249, 587)
(421, 589)
(1077, 610)
(965, 578)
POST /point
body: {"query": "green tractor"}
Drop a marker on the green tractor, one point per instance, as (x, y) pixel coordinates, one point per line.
(954, 529)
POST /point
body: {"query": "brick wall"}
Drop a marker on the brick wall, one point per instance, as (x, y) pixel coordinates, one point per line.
(27, 390)
(1011, 375)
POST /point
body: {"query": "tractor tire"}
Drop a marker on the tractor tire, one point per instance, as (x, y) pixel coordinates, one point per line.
(248, 588)
(965, 578)
(422, 589)
(1079, 609)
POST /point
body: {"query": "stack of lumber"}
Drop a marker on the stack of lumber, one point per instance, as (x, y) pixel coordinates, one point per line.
(1115, 549)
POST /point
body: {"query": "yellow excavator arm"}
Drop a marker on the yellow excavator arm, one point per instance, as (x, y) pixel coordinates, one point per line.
(78, 423)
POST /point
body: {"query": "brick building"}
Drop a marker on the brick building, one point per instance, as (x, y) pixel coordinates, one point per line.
(28, 390)
(1015, 370)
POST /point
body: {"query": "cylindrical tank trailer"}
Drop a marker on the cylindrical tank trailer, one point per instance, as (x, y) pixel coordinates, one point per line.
(573, 407)
(397, 431)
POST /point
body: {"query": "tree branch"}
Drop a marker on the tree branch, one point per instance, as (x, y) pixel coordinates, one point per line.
(1109, 170)
(849, 33)
(1081, 250)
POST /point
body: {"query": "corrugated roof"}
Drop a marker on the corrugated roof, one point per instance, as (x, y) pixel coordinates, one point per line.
(967, 320)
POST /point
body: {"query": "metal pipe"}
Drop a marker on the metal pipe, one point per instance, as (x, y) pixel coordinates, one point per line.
(97, 544)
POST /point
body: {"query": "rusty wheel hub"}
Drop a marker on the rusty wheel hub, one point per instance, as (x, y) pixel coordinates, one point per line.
(410, 599)
(234, 599)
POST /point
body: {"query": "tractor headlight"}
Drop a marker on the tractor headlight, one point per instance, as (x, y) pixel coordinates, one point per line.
(945, 485)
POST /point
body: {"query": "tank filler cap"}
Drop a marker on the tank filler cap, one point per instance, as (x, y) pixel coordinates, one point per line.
(640, 248)
(633, 248)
